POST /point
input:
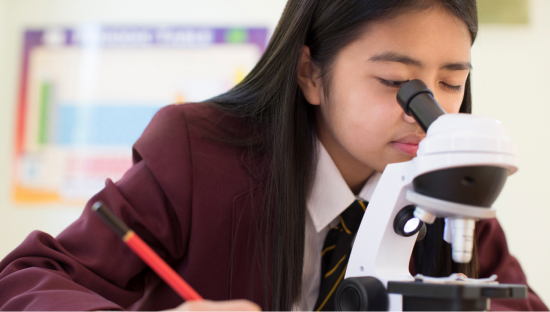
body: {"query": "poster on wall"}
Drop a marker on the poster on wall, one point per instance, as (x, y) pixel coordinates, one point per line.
(87, 93)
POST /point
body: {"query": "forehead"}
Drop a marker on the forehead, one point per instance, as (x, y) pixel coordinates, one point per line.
(434, 36)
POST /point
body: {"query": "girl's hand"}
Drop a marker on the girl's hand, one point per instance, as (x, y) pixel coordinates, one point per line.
(209, 305)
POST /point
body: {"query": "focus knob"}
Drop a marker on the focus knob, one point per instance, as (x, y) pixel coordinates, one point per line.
(364, 293)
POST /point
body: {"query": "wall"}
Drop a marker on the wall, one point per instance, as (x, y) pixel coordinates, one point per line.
(17, 222)
(509, 83)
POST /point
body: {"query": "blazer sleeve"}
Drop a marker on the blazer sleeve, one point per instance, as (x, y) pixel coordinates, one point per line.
(87, 267)
(494, 258)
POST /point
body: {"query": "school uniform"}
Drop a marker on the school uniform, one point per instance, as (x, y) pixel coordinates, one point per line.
(192, 199)
(330, 196)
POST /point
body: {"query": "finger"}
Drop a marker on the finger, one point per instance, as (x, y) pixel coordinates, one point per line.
(208, 305)
(462, 275)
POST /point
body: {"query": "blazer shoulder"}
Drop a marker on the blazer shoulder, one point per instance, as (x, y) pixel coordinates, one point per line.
(191, 139)
(174, 127)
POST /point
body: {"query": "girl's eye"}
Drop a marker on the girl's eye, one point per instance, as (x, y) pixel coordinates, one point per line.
(398, 84)
(452, 88)
(392, 83)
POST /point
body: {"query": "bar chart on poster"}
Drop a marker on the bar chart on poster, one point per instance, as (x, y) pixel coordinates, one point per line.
(87, 93)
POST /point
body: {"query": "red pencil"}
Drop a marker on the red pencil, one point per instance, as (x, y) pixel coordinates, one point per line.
(146, 253)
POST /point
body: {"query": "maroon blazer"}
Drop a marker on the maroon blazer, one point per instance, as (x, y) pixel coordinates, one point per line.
(188, 196)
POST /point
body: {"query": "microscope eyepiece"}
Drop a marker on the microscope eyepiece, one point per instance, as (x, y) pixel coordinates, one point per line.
(417, 100)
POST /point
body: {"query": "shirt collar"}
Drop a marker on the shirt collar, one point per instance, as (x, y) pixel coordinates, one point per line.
(330, 194)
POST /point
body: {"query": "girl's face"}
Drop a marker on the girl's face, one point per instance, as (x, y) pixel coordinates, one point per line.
(360, 123)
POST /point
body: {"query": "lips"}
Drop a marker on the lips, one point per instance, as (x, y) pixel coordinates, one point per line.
(407, 148)
(408, 144)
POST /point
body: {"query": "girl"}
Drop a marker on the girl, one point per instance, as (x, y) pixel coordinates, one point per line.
(239, 193)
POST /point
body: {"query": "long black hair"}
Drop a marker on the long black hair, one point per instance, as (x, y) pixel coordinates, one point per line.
(282, 128)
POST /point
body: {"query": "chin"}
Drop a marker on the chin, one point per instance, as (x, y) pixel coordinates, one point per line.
(393, 161)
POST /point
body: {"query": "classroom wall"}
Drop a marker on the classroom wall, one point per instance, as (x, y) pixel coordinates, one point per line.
(511, 66)
(510, 82)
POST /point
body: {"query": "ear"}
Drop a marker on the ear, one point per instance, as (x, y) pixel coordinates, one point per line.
(308, 78)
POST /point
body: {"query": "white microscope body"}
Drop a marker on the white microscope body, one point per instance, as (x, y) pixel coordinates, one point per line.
(460, 169)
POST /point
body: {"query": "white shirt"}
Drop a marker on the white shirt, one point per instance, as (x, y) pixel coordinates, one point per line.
(329, 197)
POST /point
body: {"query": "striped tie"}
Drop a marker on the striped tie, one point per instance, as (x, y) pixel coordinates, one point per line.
(336, 251)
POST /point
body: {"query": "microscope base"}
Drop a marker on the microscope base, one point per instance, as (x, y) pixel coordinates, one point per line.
(419, 296)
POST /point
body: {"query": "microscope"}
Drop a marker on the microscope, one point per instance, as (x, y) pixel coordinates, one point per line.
(460, 168)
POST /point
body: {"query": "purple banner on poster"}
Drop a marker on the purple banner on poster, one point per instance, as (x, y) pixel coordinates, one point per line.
(177, 36)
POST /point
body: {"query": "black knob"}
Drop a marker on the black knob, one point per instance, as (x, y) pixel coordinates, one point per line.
(364, 293)
(405, 223)
(417, 100)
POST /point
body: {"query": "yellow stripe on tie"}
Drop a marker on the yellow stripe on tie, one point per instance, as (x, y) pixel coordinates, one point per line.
(362, 205)
(335, 267)
(333, 289)
(327, 249)
(344, 225)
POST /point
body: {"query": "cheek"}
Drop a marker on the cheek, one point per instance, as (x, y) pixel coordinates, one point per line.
(363, 118)
(449, 101)
(452, 104)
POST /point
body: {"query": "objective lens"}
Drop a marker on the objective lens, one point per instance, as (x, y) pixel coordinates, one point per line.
(463, 240)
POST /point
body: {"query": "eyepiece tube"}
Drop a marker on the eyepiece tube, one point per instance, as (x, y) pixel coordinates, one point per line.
(417, 100)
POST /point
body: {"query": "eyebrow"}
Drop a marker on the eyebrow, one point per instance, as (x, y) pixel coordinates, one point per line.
(400, 58)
